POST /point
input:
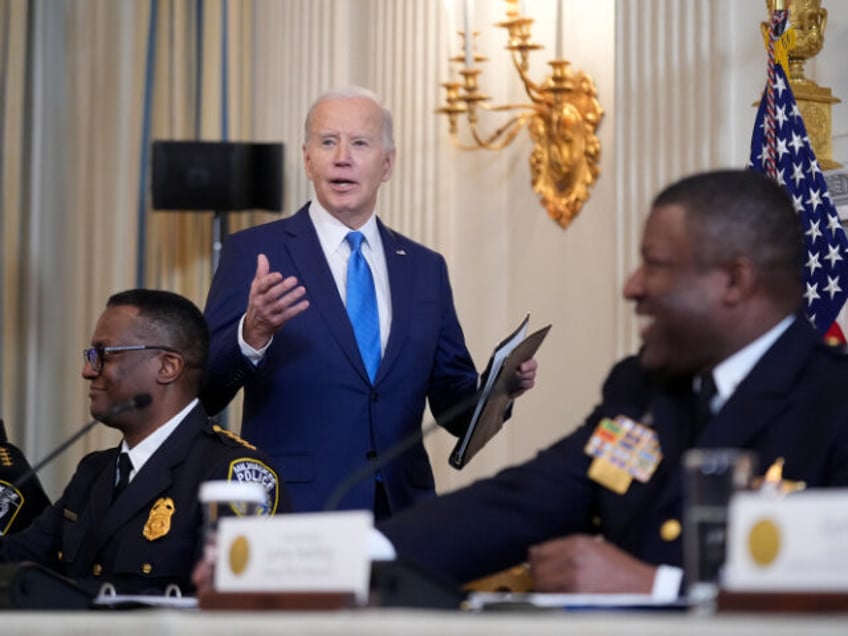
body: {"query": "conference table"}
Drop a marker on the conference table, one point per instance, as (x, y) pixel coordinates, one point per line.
(370, 622)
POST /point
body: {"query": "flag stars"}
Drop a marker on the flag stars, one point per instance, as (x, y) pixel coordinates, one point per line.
(812, 293)
(832, 286)
(797, 143)
(833, 255)
(781, 116)
(813, 262)
(814, 232)
(797, 173)
(815, 199)
(781, 148)
(825, 267)
(779, 85)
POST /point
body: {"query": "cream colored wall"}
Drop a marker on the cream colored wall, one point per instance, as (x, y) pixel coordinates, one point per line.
(676, 79)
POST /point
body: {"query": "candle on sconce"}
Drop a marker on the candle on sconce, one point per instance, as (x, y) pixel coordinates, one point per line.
(469, 36)
(559, 30)
(448, 6)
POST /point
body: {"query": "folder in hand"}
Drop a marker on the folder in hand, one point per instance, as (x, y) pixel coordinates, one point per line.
(491, 407)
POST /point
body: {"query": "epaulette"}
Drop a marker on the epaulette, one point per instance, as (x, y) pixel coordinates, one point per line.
(228, 433)
(6, 458)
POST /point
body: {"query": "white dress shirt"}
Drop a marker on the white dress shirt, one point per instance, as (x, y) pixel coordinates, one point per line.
(332, 235)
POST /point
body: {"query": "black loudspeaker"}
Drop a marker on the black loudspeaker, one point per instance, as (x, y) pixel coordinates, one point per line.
(33, 587)
(217, 176)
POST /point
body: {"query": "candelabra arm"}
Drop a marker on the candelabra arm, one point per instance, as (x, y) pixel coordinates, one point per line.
(501, 137)
(533, 90)
(562, 119)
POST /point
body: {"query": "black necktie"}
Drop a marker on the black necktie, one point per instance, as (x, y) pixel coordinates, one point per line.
(124, 469)
(703, 401)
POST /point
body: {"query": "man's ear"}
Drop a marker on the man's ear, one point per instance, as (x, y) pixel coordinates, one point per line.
(172, 365)
(742, 280)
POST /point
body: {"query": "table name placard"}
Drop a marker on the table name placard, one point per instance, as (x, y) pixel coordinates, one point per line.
(797, 542)
(309, 552)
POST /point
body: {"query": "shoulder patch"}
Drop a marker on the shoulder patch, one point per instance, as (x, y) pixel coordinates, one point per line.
(249, 469)
(229, 434)
(11, 502)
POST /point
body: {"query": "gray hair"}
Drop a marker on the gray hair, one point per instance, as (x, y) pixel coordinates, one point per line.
(355, 92)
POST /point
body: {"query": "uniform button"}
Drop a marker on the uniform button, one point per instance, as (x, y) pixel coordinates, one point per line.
(374, 396)
(60, 555)
(97, 570)
(670, 530)
(147, 568)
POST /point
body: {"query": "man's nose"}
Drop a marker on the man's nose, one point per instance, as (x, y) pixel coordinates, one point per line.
(87, 371)
(342, 154)
(633, 286)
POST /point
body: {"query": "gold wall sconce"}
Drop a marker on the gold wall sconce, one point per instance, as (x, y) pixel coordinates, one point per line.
(562, 117)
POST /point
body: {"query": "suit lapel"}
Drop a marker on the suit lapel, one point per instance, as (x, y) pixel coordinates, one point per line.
(400, 271)
(95, 513)
(304, 250)
(757, 403)
(154, 478)
(762, 396)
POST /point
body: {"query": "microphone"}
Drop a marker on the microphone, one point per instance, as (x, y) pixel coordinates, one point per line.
(139, 401)
(393, 452)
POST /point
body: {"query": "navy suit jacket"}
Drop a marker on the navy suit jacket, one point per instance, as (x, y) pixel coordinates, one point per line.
(90, 538)
(791, 405)
(309, 404)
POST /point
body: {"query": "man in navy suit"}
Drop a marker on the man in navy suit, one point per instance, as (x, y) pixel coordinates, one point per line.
(143, 532)
(718, 296)
(280, 329)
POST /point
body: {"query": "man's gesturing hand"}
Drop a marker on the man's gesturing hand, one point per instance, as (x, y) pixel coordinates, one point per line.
(272, 302)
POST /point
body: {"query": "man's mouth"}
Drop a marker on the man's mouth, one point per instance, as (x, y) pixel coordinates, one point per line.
(342, 184)
(644, 324)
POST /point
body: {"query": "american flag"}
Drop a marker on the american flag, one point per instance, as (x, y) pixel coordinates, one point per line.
(791, 162)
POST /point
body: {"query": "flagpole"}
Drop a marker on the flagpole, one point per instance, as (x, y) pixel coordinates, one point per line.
(770, 136)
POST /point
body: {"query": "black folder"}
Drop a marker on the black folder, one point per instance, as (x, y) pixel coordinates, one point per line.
(491, 408)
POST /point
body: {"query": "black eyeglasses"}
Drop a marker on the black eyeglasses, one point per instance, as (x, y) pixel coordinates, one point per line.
(96, 355)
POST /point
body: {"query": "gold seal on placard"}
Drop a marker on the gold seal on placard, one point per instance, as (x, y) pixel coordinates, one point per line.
(239, 554)
(159, 521)
(670, 530)
(764, 542)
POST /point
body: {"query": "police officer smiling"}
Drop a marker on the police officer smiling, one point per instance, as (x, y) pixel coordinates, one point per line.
(130, 515)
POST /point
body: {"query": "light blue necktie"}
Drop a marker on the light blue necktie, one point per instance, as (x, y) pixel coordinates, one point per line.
(362, 305)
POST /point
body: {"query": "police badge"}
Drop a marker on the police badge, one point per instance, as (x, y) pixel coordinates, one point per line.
(159, 521)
